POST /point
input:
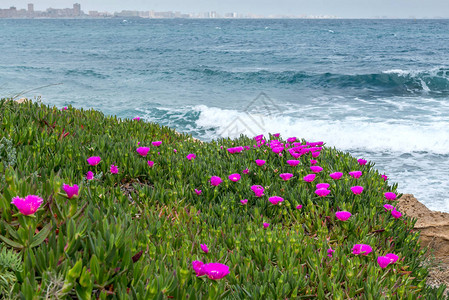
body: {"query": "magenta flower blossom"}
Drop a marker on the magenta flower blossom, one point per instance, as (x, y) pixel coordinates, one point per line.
(265, 225)
(260, 162)
(235, 150)
(388, 207)
(215, 180)
(71, 190)
(316, 154)
(396, 214)
(285, 176)
(246, 171)
(114, 169)
(156, 143)
(174, 150)
(258, 137)
(276, 135)
(393, 257)
(136, 119)
(343, 215)
(385, 177)
(383, 261)
(215, 271)
(291, 139)
(244, 201)
(198, 192)
(198, 267)
(258, 190)
(299, 206)
(329, 252)
(322, 185)
(355, 174)
(150, 163)
(362, 162)
(234, 177)
(313, 162)
(277, 149)
(336, 175)
(357, 190)
(390, 196)
(322, 192)
(275, 200)
(64, 108)
(204, 248)
(94, 160)
(191, 156)
(309, 178)
(293, 162)
(361, 249)
(28, 205)
(316, 169)
(89, 175)
(143, 150)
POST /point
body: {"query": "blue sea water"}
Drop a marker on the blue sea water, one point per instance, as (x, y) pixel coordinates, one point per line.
(376, 88)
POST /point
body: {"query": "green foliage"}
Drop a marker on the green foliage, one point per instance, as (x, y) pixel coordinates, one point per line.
(134, 235)
(10, 264)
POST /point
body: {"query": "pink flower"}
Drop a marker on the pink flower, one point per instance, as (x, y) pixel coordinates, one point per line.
(278, 149)
(260, 162)
(396, 214)
(235, 149)
(258, 190)
(258, 138)
(343, 215)
(285, 176)
(299, 206)
(291, 139)
(265, 225)
(156, 143)
(244, 201)
(392, 257)
(361, 249)
(94, 160)
(309, 178)
(384, 177)
(150, 163)
(313, 162)
(114, 169)
(215, 271)
(276, 135)
(198, 192)
(234, 177)
(316, 169)
(204, 248)
(355, 174)
(315, 154)
(215, 180)
(357, 190)
(198, 267)
(65, 108)
(246, 171)
(136, 119)
(174, 150)
(275, 200)
(143, 150)
(383, 261)
(388, 207)
(390, 196)
(191, 156)
(71, 190)
(322, 185)
(329, 252)
(362, 162)
(322, 192)
(29, 205)
(89, 175)
(293, 163)
(336, 175)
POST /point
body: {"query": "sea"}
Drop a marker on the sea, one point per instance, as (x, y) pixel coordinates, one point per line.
(378, 89)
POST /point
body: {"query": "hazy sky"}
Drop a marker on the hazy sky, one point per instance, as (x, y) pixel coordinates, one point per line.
(341, 8)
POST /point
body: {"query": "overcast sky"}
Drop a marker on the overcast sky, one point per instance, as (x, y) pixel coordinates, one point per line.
(340, 8)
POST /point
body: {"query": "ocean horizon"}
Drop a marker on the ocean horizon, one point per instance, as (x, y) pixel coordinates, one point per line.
(378, 89)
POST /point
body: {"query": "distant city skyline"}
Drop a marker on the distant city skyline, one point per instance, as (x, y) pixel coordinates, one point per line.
(339, 8)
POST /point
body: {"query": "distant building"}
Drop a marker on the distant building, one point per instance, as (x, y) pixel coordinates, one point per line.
(76, 9)
(30, 8)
